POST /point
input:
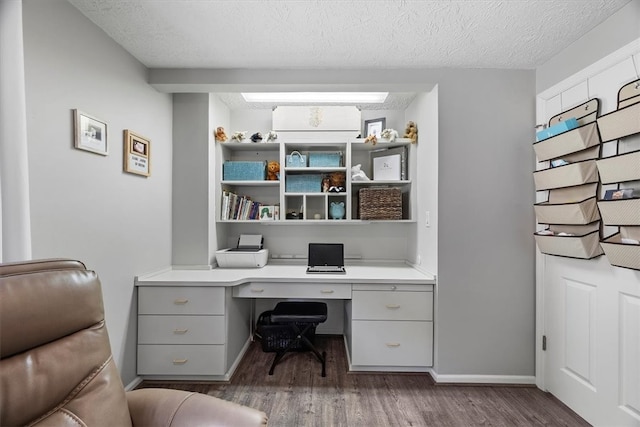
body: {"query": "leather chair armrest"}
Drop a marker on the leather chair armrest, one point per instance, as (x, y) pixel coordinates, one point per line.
(176, 408)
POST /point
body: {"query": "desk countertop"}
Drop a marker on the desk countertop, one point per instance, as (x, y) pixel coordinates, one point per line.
(380, 272)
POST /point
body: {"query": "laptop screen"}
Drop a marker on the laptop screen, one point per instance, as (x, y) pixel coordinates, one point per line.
(321, 254)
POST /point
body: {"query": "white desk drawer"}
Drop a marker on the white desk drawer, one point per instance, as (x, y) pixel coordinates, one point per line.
(293, 290)
(398, 343)
(181, 359)
(392, 305)
(181, 329)
(180, 300)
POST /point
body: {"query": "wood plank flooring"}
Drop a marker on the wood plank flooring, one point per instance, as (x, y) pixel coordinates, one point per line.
(296, 395)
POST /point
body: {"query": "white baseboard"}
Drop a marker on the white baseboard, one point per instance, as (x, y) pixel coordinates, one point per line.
(483, 379)
(133, 384)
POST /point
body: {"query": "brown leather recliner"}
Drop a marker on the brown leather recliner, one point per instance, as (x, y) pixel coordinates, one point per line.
(56, 367)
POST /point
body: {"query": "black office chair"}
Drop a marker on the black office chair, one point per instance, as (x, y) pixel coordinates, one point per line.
(301, 318)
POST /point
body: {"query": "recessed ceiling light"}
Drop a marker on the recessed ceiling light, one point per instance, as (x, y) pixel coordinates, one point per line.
(315, 97)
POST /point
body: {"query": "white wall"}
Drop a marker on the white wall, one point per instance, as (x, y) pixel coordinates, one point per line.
(82, 204)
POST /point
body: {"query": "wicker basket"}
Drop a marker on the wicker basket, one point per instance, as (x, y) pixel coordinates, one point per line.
(275, 337)
(380, 203)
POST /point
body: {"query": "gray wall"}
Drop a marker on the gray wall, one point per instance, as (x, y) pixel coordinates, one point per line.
(621, 28)
(485, 266)
(82, 204)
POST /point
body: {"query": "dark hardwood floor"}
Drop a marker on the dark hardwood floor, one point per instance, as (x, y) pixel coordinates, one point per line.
(296, 395)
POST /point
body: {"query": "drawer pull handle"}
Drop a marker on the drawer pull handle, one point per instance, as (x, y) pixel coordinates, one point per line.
(393, 344)
(180, 361)
(393, 306)
(180, 331)
(257, 291)
(180, 301)
(326, 291)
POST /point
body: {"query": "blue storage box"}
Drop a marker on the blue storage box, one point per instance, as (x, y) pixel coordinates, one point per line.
(307, 183)
(557, 129)
(319, 160)
(244, 171)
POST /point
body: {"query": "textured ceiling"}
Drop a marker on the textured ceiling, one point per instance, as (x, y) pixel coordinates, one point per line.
(338, 34)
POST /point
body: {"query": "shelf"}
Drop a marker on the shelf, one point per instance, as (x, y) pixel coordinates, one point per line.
(250, 146)
(360, 145)
(260, 183)
(380, 183)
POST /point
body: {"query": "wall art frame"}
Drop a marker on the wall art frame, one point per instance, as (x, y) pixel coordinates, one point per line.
(374, 127)
(90, 133)
(137, 153)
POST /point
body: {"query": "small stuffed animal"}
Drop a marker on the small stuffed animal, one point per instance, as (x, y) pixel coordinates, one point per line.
(357, 174)
(326, 184)
(239, 136)
(411, 132)
(272, 136)
(256, 137)
(372, 139)
(389, 134)
(220, 134)
(337, 179)
(273, 170)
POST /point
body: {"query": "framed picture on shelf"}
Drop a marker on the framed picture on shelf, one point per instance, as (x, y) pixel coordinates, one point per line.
(137, 154)
(90, 133)
(374, 127)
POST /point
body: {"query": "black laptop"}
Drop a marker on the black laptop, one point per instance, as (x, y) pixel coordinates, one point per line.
(326, 258)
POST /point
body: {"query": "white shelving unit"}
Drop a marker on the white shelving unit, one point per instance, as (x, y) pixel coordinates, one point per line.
(311, 205)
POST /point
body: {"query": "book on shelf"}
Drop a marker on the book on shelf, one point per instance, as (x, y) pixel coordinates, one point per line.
(235, 207)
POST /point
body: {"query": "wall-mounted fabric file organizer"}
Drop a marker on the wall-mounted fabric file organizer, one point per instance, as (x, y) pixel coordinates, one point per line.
(572, 206)
(582, 241)
(579, 173)
(622, 248)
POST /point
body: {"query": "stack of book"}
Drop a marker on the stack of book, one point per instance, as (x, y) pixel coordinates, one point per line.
(236, 207)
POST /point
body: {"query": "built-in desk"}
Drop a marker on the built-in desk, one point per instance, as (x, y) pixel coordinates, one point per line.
(197, 323)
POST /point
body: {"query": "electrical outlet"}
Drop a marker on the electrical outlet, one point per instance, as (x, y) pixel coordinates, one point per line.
(427, 220)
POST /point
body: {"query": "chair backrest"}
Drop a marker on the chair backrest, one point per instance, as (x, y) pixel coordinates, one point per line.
(56, 366)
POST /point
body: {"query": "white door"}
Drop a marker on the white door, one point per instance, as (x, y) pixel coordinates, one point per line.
(590, 310)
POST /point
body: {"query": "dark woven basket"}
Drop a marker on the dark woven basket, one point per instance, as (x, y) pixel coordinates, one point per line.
(275, 337)
(380, 203)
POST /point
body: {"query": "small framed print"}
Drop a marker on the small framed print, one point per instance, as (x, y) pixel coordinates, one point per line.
(374, 127)
(137, 153)
(90, 133)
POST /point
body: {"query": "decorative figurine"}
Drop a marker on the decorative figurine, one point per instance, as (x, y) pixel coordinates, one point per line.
(220, 135)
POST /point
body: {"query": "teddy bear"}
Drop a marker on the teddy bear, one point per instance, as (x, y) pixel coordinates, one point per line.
(411, 132)
(357, 174)
(389, 134)
(220, 134)
(239, 136)
(256, 137)
(272, 136)
(372, 139)
(273, 170)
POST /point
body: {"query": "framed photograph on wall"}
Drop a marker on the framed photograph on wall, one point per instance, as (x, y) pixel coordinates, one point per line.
(137, 153)
(374, 127)
(90, 133)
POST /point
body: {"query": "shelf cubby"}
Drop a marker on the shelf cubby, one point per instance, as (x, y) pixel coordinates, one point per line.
(621, 254)
(620, 212)
(584, 241)
(621, 168)
(566, 176)
(568, 142)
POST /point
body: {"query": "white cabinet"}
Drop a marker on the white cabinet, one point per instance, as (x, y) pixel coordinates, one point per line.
(298, 193)
(185, 331)
(391, 326)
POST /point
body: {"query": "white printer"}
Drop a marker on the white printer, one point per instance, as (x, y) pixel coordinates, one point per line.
(249, 253)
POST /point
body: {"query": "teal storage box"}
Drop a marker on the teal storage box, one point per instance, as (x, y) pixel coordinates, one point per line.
(323, 160)
(244, 171)
(307, 183)
(557, 129)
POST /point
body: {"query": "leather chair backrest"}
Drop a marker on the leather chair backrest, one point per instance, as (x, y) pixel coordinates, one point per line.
(56, 366)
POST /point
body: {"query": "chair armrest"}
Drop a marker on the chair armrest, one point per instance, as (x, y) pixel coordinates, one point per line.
(176, 408)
